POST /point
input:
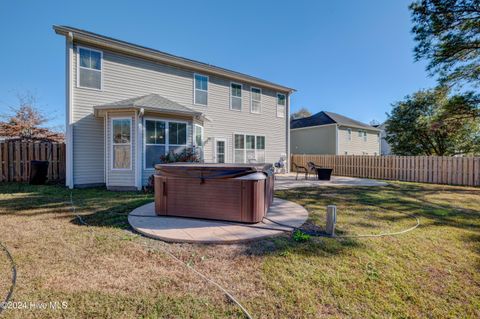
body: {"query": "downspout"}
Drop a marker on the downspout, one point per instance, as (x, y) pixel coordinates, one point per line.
(139, 149)
(288, 132)
(105, 148)
(69, 113)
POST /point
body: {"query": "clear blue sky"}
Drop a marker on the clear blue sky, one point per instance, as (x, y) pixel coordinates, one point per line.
(350, 57)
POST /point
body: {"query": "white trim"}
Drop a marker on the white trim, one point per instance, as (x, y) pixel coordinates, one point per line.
(251, 100)
(195, 89)
(245, 144)
(194, 139)
(241, 96)
(287, 119)
(284, 106)
(167, 133)
(69, 182)
(112, 144)
(215, 155)
(138, 152)
(78, 68)
(105, 147)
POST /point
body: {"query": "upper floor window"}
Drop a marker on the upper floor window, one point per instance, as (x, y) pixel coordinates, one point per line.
(281, 103)
(349, 134)
(201, 89)
(364, 136)
(89, 68)
(236, 96)
(256, 96)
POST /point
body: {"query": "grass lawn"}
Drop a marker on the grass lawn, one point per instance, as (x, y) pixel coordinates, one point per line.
(108, 271)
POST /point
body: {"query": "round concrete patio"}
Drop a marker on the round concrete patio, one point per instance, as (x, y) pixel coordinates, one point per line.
(190, 230)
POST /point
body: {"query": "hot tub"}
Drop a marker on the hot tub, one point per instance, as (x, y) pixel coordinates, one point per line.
(232, 192)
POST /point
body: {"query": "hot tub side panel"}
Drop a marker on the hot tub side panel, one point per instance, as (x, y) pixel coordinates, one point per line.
(223, 199)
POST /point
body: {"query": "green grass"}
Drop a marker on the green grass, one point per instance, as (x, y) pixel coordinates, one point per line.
(108, 271)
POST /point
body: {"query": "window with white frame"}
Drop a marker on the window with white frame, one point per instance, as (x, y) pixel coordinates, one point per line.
(349, 134)
(121, 143)
(201, 89)
(249, 148)
(256, 100)
(235, 96)
(364, 136)
(281, 104)
(378, 137)
(162, 137)
(360, 133)
(198, 140)
(89, 68)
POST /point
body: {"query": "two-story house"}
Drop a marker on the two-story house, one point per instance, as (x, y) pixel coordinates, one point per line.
(333, 134)
(126, 105)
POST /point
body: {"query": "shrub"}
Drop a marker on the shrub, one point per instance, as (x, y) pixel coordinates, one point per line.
(187, 155)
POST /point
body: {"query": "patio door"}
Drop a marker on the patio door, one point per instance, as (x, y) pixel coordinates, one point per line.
(220, 147)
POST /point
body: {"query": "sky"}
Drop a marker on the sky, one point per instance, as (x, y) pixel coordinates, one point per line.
(348, 56)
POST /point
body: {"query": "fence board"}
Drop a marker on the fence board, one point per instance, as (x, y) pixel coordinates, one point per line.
(426, 169)
(15, 158)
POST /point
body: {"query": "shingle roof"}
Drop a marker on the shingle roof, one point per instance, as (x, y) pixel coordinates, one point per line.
(152, 102)
(324, 118)
(317, 119)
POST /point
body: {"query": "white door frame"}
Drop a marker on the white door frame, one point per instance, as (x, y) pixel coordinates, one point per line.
(224, 140)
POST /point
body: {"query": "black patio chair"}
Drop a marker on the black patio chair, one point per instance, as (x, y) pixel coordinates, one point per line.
(312, 168)
(300, 169)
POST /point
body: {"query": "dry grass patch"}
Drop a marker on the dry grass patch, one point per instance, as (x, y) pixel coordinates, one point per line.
(108, 271)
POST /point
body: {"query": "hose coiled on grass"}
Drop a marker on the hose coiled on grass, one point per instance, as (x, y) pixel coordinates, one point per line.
(14, 277)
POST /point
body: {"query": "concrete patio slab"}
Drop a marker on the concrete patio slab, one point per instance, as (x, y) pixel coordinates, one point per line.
(287, 181)
(190, 230)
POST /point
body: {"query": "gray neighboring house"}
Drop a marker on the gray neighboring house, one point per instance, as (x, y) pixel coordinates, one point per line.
(333, 134)
(126, 105)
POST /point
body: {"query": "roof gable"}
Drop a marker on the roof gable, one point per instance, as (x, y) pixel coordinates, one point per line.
(163, 57)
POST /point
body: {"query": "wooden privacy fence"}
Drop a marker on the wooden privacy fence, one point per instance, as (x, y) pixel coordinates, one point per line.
(15, 160)
(425, 169)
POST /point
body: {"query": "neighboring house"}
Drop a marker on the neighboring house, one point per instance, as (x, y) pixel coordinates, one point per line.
(127, 105)
(331, 133)
(385, 148)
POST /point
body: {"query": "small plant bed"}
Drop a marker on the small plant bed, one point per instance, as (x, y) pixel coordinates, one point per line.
(109, 271)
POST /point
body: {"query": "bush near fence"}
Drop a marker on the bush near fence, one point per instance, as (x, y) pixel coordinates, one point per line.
(15, 160)
(424, 169)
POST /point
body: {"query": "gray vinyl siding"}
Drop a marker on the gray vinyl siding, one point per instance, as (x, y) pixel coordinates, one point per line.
(357, 145)
(314, 140)
(127, 77)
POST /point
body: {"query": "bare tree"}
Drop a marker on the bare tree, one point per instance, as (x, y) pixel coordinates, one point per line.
(301, 113)
(27, 123)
